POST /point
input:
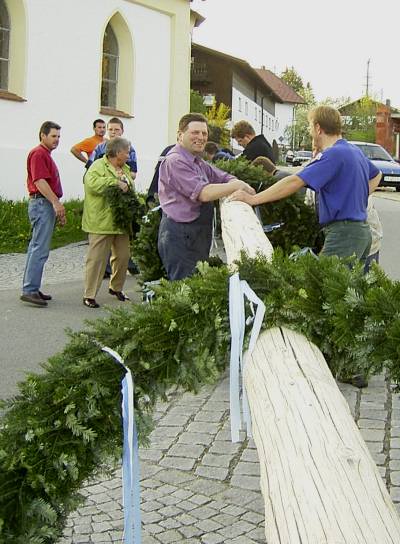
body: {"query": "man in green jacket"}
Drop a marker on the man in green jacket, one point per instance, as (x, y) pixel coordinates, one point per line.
(97, 221)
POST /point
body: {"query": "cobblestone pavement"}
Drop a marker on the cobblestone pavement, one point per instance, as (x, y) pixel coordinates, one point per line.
(196, 486)
(64, 262)
(199, 487)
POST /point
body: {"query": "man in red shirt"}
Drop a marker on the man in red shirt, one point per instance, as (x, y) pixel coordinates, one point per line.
(44, 188)
(88, 145)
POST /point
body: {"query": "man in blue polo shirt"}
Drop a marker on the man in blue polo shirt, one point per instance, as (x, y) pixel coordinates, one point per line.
(342, 177)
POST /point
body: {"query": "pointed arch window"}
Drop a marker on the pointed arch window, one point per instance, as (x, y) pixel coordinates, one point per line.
(109, 82)
(4, 45)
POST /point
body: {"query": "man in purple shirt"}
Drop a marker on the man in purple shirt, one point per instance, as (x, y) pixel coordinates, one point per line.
(186, 188)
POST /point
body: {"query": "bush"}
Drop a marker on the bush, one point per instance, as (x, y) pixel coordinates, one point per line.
(15, 228)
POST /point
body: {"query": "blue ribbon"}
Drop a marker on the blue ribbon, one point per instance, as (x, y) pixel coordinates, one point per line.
(130, 457)
(238, 290)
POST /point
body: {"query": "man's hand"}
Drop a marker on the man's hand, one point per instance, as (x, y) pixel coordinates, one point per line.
(243, 195)
(60, 212)
(243, 186)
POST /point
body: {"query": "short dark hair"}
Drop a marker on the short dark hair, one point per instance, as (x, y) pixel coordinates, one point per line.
(46, 127)
(211, 147)
(188, 118)
(98, 121)
(116, 121)
(242, 129)
(266, 163)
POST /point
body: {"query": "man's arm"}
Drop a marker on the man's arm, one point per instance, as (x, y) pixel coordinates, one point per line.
(214, 191)
(45, 190)
(281, 189)
(77, 153)
(374, 182)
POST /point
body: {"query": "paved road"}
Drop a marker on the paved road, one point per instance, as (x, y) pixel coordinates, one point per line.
(197, 487)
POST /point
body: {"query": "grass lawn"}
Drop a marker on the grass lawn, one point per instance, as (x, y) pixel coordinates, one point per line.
(15, 226)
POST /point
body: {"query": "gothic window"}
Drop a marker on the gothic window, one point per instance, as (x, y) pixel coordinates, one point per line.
(110, 67)
(4, 45)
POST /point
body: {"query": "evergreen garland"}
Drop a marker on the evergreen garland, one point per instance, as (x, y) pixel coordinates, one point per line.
(64, 427)
(126, 208)
(145, 252)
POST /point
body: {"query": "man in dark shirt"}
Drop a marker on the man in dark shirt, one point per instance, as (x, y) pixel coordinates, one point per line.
(44, 188)
(254, 146)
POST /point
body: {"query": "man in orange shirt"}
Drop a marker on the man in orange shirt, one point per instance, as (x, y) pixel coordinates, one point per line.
(88, 145)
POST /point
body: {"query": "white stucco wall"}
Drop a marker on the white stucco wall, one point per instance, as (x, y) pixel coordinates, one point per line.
(284, 113)
(63, 71)
(271, 125)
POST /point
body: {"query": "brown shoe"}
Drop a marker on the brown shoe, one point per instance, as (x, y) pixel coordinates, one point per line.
(33, 298)
(44, 297)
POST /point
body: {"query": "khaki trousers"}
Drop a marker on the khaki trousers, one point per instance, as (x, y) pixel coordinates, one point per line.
(100, 246)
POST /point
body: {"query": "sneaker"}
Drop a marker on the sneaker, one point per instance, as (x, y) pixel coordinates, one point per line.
(33, 298)
(44, 297)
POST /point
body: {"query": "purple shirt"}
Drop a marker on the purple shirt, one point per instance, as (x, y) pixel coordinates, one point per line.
(182, 178)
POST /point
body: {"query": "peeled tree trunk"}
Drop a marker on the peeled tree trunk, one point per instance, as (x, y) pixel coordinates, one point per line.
(319, 482)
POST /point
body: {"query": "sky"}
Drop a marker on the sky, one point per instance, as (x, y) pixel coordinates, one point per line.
(327, 43)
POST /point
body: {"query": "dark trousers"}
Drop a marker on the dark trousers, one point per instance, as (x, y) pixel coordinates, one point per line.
(182, 245)
(347, 238)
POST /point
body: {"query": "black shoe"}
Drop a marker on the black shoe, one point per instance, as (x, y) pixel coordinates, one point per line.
(119, 294)
(44, 297)
(90, 303)
(133, 269)
(33, 298)
(358, 380)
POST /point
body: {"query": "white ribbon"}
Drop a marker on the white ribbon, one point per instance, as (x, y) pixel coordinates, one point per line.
(130, 458)
(238, 289)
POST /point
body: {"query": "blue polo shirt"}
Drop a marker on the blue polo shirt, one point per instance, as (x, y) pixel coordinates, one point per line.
(100, 150)
(340, 176)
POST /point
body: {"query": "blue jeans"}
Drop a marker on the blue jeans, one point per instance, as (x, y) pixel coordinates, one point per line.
(43, 218)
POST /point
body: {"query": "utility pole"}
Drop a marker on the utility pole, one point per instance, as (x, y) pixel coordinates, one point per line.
(367, 78)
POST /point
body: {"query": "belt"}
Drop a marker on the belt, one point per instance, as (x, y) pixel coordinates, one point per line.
(36, 195)
(323, 225)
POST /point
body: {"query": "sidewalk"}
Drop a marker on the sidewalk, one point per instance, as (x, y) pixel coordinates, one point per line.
(196, 486)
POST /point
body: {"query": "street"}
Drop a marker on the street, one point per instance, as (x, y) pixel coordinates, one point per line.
(196, 485)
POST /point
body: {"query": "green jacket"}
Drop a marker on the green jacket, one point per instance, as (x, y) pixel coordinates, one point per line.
(97, 216)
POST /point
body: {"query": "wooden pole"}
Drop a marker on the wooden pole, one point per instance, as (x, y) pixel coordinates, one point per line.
(319, 482)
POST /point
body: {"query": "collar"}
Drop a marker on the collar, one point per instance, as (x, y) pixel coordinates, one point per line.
(189, 156)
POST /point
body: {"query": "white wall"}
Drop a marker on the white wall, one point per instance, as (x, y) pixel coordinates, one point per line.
(271, 126)
(64, 44)
(284, 113)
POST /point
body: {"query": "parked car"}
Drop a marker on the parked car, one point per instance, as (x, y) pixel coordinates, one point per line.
(382, 160)
(289, 156)
(301, 157)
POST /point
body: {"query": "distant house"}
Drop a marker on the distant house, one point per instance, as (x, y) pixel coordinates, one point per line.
(72, 62)
(385, 122)
(255, 95)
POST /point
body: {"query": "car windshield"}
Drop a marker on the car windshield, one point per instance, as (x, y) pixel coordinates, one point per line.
(375, 152)
(307, 154)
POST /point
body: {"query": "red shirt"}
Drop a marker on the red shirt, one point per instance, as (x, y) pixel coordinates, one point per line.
(40, 165)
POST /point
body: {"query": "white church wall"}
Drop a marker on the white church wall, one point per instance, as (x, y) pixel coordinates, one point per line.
(63, 81)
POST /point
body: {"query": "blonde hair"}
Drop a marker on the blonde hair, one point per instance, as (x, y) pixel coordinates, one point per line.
(327, 118)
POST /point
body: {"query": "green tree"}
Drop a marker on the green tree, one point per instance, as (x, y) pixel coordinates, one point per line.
(196, 102)
(359, 119)
(298, 133)
(218, 117)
